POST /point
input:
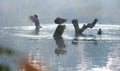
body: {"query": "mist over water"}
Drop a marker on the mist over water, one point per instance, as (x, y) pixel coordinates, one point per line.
(16, 12)
(84, 53)
(89, 52)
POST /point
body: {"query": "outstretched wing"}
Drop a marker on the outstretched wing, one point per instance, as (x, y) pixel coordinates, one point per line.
(32, 18)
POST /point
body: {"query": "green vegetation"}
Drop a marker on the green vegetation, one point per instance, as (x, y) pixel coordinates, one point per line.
(7, 51)
(4, 67)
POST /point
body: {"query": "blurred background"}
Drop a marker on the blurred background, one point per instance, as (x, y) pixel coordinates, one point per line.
(16, 12)
(21, 44)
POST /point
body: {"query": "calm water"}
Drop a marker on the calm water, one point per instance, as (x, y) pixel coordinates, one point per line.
(84, 53)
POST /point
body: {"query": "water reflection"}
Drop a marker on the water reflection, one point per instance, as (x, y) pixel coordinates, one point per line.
(92, 53)
(33, 64)
(37, 31)
(98, 54)
(60, 46)
(75, 40)
(95, 42)
(92, 38)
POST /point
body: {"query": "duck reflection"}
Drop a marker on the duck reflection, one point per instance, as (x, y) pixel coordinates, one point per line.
(60, 46)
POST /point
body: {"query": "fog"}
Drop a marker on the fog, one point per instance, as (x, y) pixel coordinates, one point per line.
(16, 12)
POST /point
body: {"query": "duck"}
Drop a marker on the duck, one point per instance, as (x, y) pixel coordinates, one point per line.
(99, 31)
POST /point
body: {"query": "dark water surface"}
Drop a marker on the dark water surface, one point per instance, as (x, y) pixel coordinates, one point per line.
(90, 52)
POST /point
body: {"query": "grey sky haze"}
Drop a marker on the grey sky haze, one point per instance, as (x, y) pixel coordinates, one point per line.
(16, 12)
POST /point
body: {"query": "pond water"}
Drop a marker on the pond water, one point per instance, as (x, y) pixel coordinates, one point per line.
(90, 52)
